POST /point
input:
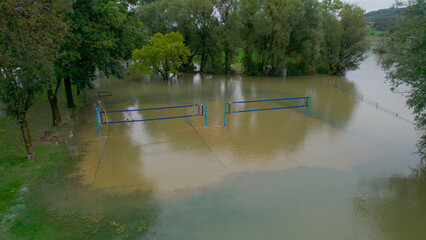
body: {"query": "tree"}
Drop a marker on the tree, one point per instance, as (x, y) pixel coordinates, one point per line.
(405, 62)
(305, 40)
(163, 53)
(268, 27)
(31, 33)
(344, 29)
(181, 16)
(103, 34)
(272, 34)
(228, 36)
(156, 16)
(201, 13)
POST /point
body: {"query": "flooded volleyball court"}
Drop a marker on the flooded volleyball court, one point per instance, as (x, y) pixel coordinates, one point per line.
(272, 174)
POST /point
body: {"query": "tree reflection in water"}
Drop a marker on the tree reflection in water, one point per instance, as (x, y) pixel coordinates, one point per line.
(396, 206)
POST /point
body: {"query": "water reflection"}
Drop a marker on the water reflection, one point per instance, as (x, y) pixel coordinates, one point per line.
(183, 154)
(395, 206)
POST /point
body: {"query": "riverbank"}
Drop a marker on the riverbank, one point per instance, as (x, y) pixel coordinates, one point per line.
(35, 195)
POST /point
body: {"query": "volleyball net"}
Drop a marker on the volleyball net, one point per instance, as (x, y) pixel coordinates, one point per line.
(105, 117)
(296, 102)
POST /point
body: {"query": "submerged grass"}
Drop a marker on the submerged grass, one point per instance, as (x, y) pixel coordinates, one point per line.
(42, 198)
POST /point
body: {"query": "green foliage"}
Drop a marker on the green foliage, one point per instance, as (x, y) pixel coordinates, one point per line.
(405, 61)
(163, 53)
(271, 33)
(201, 13)
(332, 6)
(30, 34)
(103, 33)
(227, 32)
(344, 42)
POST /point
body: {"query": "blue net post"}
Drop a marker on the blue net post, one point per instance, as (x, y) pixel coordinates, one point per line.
(205, 111)
(224, 115)
(309, 103)
(97, 121)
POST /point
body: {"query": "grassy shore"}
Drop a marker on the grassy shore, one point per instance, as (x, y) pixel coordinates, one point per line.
(42, 198)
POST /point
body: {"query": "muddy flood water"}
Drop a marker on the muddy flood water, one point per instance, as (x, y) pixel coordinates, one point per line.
(343, 173)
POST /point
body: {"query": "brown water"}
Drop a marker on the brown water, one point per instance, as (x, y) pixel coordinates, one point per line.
(271, 174)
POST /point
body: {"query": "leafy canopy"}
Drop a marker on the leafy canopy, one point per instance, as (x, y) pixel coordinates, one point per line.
(163, 53)
(344, 42)
(405, 62)
(103, 33)
(263, 35)
(30, 34)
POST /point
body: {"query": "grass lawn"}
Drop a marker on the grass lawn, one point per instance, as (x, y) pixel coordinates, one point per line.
(376, 34)
(42, 199)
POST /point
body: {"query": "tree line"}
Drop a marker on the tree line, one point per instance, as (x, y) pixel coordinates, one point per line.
(305, 36)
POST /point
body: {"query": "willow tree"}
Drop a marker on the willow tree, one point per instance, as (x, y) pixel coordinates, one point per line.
(163, 54)
(30, 35)
(268, 27)
(344, 43)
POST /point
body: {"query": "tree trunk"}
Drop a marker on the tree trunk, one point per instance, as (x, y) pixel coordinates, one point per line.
(188, 67)
(227, 61)
(247, 61)
(54, 104)
(27, 138)
(68, 92)
(78, 90)
(203, 61)
(163, 75)
(166, 70)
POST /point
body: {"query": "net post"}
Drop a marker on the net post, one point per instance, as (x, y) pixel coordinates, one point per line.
(224, 115)
(97, 121)
(106, 118)
(101, 119)
(202, 110)
(309, 103)
(205, 111)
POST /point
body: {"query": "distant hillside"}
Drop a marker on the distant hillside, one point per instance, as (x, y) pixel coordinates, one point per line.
(384, 19)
